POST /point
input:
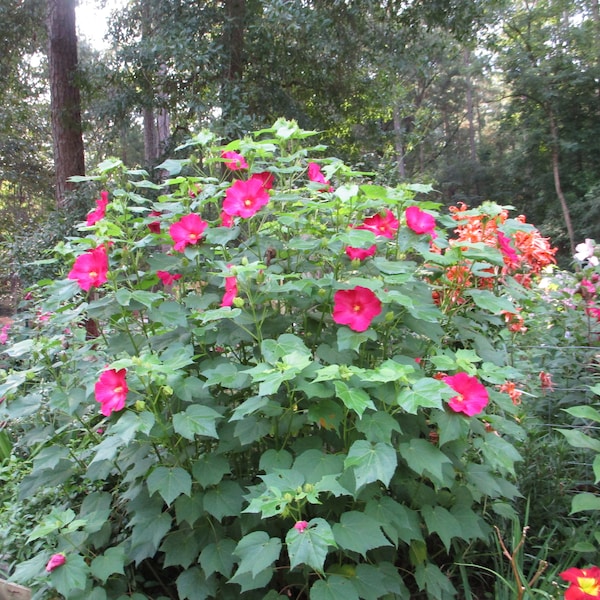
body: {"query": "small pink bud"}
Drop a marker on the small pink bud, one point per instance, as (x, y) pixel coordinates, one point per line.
(300, 526)
(56, 560)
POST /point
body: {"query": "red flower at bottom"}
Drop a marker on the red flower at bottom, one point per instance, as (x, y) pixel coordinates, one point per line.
(356, 308)
(301, 526)
(472, 396)
(585, 583)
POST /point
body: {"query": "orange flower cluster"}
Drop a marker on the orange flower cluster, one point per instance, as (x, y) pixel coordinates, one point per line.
(525, 253)
(510, 388)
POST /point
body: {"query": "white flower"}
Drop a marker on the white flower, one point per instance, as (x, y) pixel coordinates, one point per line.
(585, 251)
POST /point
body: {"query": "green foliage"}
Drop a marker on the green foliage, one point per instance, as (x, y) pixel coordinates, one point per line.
(263, 447)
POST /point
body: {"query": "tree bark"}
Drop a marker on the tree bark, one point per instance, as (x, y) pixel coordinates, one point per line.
(399, 142)
(65, 99)
(557, 185)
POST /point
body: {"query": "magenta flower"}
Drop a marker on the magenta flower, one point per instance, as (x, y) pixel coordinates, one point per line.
(360, 253)
(100, 210)
(56, 560)
(188, 230)
(234, 161)
(315, 174)
(383, 225)
(231, 290)
(267, 178)
(226, 220)
(167, 278)
(356, 308)
(4, 333)
(90, 269)
(111, 390)
(510, 255)
(472, 395)
(245, 198)
(420, 221)
(301, 526)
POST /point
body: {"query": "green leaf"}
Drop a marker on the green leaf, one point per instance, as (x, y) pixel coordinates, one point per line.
(196, 420)
(374, 581)
(225, 500)
(490, 302)
(71, 576)
(355, 399)
(398, 521)
(441, 521)
(311, 546)
(371, 462)
(358, 532)
(110, 562)
(351, 340)
(335, 587)
(498, 452)
(427, 460)
(209, 469)
(585, 501)
(425, 393)
(218, 557)
(378, 426)
(257, 551)
(169, 482)
(181, 547)
(193, 584)
(578, 439)
(584, 412)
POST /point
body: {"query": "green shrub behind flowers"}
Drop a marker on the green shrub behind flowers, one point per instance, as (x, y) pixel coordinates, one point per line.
(263, 378)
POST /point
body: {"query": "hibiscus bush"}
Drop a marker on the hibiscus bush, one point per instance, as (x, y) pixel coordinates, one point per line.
(266, 377)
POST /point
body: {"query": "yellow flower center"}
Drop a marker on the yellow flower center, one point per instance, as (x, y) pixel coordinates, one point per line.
(193, 236)
(118, 389)
(459, 398)
(589, 585)
(93, 274)
(357, 308)
(248, 202)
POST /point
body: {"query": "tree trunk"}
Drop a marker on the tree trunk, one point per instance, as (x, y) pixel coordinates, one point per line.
(150, 136)
(65, 100)
(399, 143)
(557, 184)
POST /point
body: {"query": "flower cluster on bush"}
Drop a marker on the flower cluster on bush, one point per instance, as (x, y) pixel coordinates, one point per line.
(270, 375)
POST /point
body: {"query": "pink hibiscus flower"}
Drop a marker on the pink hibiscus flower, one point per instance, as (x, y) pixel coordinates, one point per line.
(360, 253)
(56, 560)
(420, 221)
(187, 231)
(111, 390)
(245, 198)
(267, 178)
(231, 290)
(472, 396)
(100, 210)
(384, 225)
(356, 307)
(167, 278)
(90, 269)
(234, 161)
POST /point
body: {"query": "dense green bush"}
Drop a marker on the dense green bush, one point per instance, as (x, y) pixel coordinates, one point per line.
(266, 378)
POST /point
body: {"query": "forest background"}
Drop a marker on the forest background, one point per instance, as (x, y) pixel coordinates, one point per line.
(486, 100)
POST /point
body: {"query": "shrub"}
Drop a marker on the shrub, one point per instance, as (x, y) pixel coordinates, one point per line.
(264, 378)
